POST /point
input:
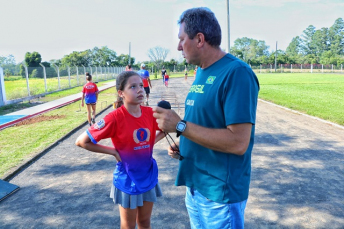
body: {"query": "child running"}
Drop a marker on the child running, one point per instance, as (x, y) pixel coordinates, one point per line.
(167, 77)
(133, 131)
(90, 95)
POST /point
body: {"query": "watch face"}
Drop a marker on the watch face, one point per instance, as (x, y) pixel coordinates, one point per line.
(181, 126)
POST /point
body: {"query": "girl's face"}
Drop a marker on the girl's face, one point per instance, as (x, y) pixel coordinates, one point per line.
(133, 92)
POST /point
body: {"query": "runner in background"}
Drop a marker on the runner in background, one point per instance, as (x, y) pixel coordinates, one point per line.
(186, 74)
(146, 81)
(163, 72)
(90, 96)
(128, 68)
(167, 77)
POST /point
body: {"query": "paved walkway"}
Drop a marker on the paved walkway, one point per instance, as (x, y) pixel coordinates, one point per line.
(297, 178)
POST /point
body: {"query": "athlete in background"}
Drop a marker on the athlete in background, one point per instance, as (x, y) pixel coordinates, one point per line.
(90, 96)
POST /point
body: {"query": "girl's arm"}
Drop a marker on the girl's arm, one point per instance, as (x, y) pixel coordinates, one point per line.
(159, 135)
(85, 142)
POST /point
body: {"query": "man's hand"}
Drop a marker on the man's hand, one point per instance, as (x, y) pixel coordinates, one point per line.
(167, 119)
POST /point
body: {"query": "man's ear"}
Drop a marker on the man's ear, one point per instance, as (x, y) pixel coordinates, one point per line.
(200, 39)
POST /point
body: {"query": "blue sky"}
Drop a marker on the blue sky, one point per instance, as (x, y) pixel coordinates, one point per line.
(55, 28)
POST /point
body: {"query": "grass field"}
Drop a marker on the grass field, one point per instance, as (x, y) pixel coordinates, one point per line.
(320, 95)
(18, 89)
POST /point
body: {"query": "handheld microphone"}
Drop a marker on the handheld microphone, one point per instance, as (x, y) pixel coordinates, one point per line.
(166, 105)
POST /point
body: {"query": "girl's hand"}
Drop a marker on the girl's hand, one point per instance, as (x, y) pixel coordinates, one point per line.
(173, 153)
(116, 155)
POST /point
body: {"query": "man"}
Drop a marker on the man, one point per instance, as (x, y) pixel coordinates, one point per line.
(146, 81)
(163, 72)
(217, 132)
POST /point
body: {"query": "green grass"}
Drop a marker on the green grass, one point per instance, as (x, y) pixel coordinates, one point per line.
(319, 95)
(18, 88)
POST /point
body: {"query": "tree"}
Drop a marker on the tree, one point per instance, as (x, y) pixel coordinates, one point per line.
(33, 59)
(307, 37)
(249, 50)
(158, 55)
(123, 60)
(103, 56)
(336, 35)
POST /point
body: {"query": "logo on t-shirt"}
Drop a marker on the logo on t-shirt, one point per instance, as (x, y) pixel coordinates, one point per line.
(100, 124)
(210, 80)
(141, 135)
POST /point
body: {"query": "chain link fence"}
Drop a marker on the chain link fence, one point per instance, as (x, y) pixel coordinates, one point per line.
(39, 81)
(298, 68)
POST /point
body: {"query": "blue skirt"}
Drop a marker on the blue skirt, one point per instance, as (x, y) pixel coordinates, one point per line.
(134, 201)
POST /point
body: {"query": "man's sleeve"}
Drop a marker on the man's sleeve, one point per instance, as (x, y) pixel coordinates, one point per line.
(240, 96)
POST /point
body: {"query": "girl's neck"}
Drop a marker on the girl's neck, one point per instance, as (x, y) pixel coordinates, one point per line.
(134, 110)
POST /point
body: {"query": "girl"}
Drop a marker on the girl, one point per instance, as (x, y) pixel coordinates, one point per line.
(133, 131)
(90, 95)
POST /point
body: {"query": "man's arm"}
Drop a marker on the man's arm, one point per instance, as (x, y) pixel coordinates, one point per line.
(233, 139)
(149, 81)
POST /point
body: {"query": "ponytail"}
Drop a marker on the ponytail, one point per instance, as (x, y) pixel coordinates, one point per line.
(119, 102)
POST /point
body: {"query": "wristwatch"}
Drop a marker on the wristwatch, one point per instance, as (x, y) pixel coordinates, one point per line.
(181, 126)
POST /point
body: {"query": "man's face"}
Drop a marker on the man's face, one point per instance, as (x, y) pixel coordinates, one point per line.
(187, 46)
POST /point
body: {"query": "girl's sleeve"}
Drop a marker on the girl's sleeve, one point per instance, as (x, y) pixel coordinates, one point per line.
(104, 128)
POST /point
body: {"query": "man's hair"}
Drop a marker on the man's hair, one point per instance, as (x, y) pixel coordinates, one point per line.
(202, 20)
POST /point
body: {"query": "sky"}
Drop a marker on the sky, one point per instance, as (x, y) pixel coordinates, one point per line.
(56, 28)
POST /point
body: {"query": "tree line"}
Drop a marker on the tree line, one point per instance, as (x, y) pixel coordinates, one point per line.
(96, 57)
(313, 46)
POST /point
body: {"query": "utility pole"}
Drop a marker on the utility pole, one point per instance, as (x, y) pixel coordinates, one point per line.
(228, 27)
(129, 53)
(276, 57)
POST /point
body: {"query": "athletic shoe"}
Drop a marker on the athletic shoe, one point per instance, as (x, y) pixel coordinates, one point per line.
(93, 121)
(90, 124)
(147, 104)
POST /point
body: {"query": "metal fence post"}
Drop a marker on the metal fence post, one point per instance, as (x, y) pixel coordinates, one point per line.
(332, 68)
(77, 75)
(322, 68)
(270, 68)
(45, 77)
(291, 68)
(301, 67)
(311, 68)
(27, 79)
(2, 88)
(69, 76)
(58, 75)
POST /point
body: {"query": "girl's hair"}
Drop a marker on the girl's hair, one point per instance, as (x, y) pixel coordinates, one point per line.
(121, 81)
(88, 76)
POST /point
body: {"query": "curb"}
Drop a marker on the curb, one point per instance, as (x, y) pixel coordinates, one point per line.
(8, 176)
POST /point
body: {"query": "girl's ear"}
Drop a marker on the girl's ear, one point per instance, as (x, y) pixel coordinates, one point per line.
(120, 93)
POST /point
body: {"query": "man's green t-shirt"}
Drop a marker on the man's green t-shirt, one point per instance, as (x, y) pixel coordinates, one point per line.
(225, 93)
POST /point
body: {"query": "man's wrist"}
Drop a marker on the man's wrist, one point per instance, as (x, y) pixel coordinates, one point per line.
(180, 127)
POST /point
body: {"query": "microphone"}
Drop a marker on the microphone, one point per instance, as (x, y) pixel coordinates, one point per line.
(166, 105)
